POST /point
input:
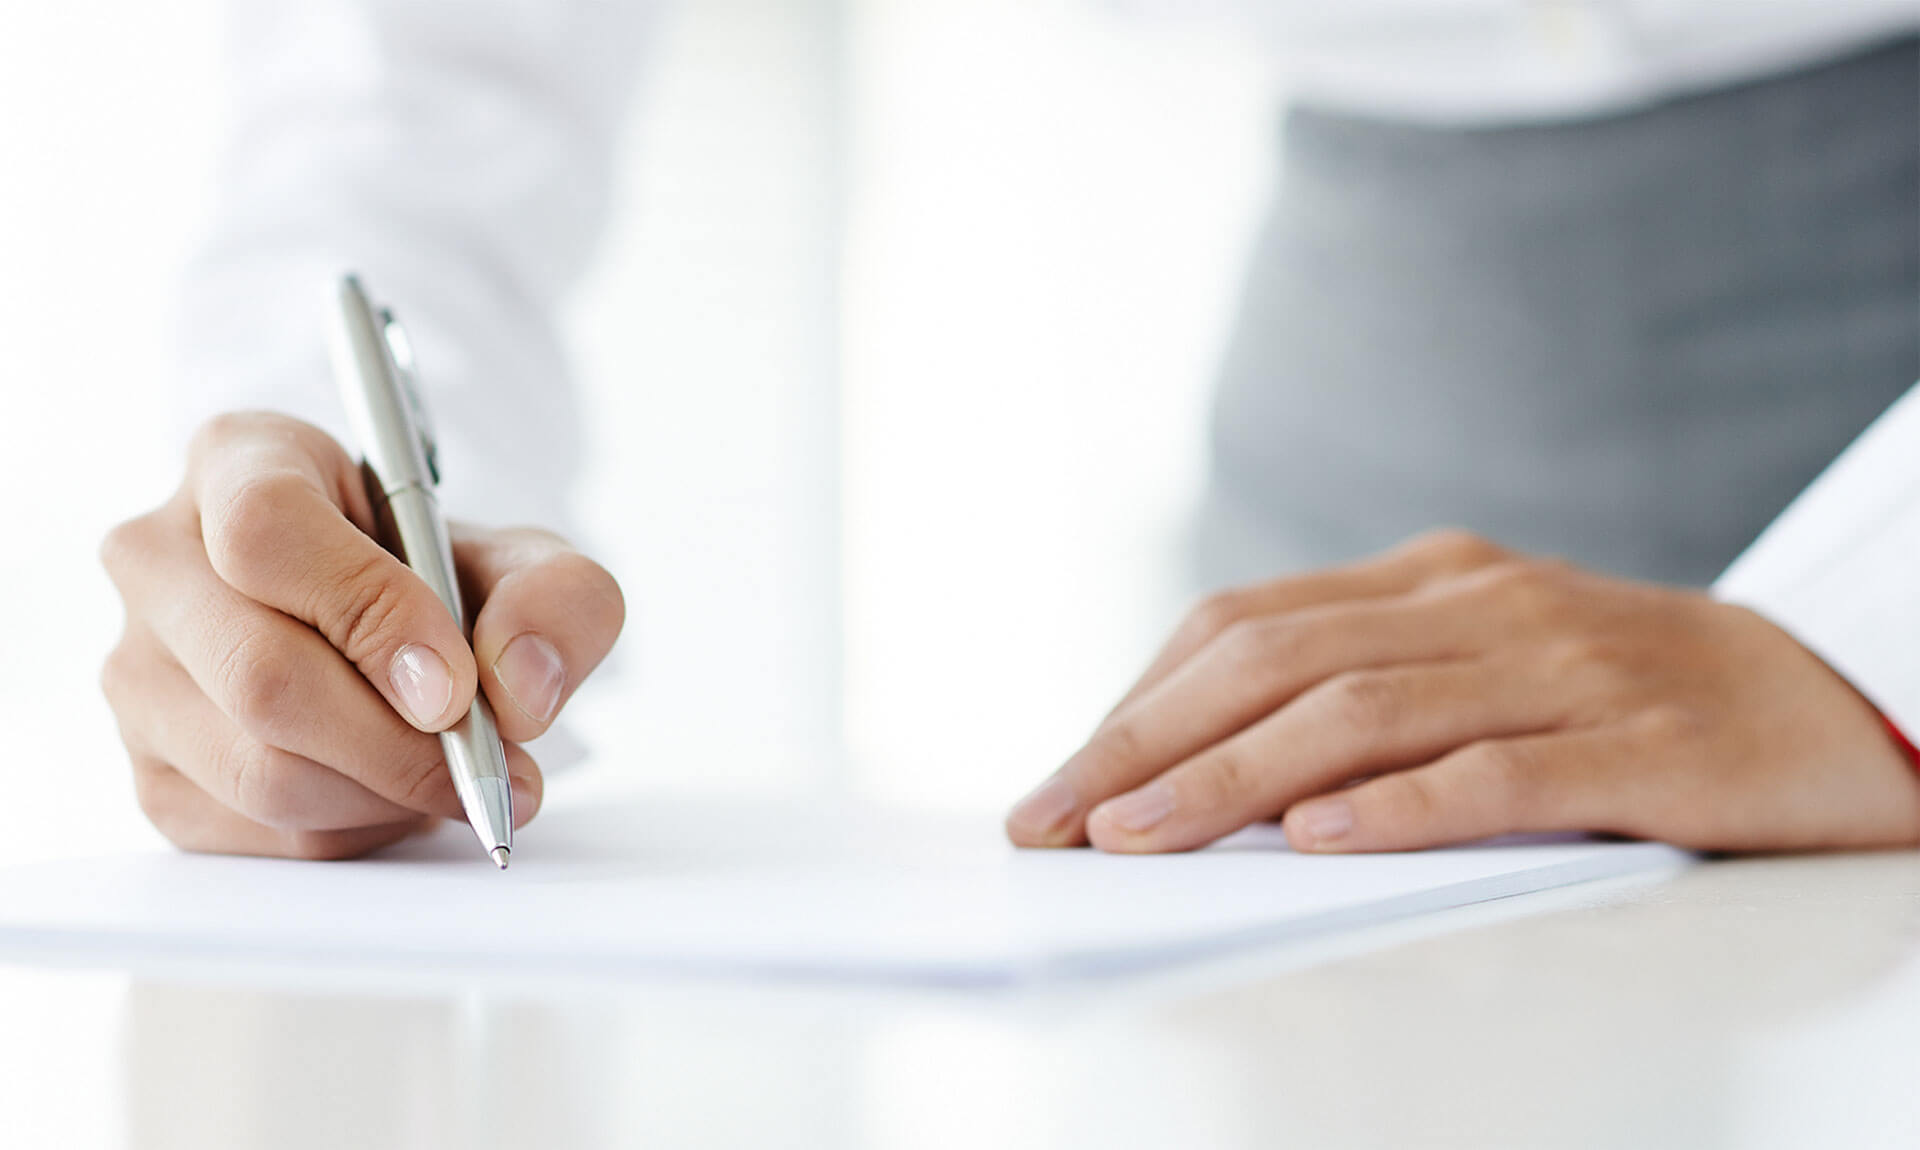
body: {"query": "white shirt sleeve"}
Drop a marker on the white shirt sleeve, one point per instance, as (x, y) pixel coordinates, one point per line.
(1840, 568)
(458, 154)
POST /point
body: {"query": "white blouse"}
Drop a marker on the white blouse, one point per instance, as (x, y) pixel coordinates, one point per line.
(458, 152)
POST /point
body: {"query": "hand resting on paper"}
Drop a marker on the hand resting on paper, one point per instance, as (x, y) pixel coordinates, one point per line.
(280, 672)
(1449, 690)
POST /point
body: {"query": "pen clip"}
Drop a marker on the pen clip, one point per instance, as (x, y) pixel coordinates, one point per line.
(400, 351)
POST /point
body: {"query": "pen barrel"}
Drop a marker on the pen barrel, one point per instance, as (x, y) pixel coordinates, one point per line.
(479, 770)
(388, 420)
(375, 373)
(415, 528)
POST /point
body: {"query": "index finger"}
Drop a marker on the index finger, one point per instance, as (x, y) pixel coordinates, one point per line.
(274, 499)
(1253, 669)
(547, 615)
(1393, 572)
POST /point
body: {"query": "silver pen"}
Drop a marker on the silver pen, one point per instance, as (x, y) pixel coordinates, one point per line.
(374, 365)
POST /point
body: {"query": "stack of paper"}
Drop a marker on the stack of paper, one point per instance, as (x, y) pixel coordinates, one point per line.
(642, 886)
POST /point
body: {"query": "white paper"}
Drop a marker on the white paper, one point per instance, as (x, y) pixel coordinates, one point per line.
(761, 889)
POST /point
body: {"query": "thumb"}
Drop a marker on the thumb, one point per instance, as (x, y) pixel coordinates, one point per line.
(274, 496)
(547, 616)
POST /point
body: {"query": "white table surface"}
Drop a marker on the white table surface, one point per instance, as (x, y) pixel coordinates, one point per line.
(1756, 1002)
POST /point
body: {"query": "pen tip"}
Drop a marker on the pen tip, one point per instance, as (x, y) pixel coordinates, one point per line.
(500, 857)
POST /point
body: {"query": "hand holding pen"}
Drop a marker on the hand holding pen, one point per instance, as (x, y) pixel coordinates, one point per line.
(282, 677)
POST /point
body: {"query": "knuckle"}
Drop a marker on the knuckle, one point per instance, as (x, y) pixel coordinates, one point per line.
(1672, 724)
(124, 547)
(1412, 797)
(146, 790)
(226, 430)
(218, 431)
(1531, 587)
(1502, 778)
(1455, 549)
(1121, 742)
(1254, 643)
(1512, 574)
(257, 681)
(1229, 778)
(1367, 701)
(1581, 655)
(1215, 613)
(160, 803)
(1263, 654)
(373, 613)
(248, 536)
(421, 781)
(116, 549)
(117, 675)
(260, 778)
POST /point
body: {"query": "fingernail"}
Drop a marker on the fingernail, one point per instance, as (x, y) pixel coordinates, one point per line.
(531, 671)
(1142, 810)
(420, 677)
(1050, 804)
(1324, 821)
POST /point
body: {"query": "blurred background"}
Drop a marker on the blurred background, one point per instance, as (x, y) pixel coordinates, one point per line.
(897, 403)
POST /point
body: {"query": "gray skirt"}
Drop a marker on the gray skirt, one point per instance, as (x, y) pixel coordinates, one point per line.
(1629, 341)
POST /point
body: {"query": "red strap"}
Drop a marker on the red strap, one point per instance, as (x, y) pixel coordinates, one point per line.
(1905, 744)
